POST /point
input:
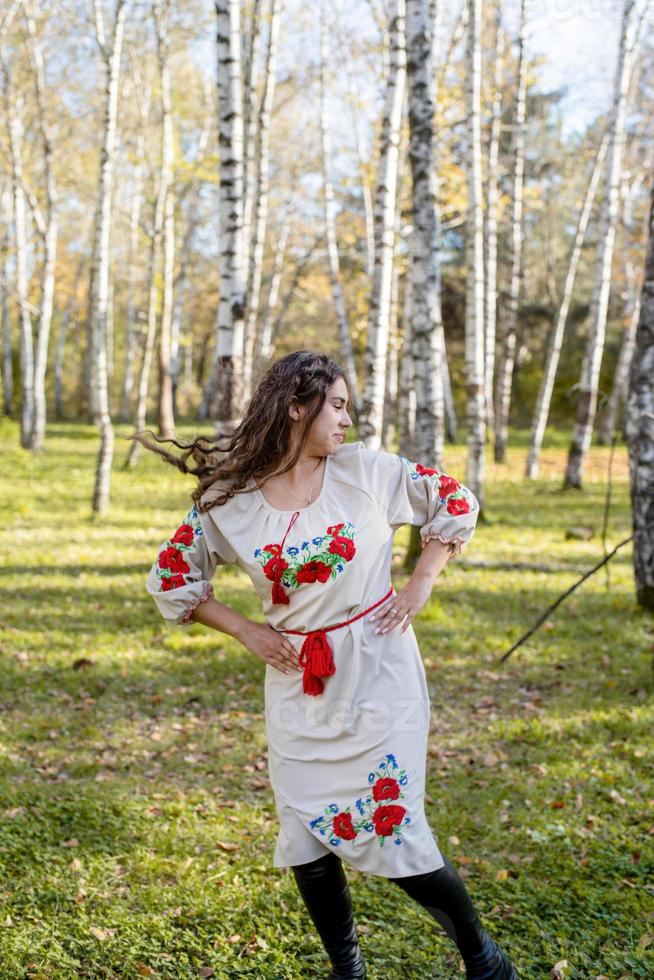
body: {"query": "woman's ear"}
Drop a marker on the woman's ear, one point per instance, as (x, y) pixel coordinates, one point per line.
(295, 411)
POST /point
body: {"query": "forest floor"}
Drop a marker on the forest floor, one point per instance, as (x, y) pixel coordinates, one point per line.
(137, 822)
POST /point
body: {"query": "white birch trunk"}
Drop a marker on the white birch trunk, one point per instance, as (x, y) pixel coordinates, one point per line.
(111, 56)
(49, 238)
(370, 421)
(492, 202)
(505, 371)
(151, 329)
(130, 316)
(330, 222)
(633, 290)
(250, 83)
(544, 398)
(474, 329)
(223, 394)
(265, 334)
(15, 126)
(426, 321)
(161, 11)
(262, 186)
(639, 429)
(590, 369)
(5, 323)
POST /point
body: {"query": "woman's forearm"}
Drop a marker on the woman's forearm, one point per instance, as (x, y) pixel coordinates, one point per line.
(435, 555)
(220, 617)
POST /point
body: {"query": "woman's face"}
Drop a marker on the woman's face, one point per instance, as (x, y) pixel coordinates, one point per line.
(327, 432)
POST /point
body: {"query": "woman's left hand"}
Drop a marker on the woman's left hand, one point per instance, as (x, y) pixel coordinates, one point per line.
(404, 605)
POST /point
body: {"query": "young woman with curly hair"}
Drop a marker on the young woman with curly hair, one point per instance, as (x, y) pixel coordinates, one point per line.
(310, 518)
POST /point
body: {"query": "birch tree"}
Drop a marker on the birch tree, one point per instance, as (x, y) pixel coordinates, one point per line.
(129, 351)
(329, 204)
(505, 370)
(426, 321)
(49, 230)
(261, 193)
(555, 343)
(14, 108)
(110, 52)
(631, 316)
(474, 328)
(385, 204)
(161, 14)
(639, 429)
(265, 334)
(590, 369)
(223, 393)
(5, 325)
(492, 206)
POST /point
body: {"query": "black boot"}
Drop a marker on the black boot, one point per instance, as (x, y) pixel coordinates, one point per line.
(324, 889)
(443, 894)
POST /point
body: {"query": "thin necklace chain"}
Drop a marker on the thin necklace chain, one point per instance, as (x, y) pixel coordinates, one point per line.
(297, 496)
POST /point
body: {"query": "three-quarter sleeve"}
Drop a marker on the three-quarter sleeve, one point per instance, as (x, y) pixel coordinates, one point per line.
(444, 508)
(180, 578)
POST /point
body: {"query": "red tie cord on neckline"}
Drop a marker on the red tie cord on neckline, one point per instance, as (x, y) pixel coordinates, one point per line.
(316, 653)
(279, 596)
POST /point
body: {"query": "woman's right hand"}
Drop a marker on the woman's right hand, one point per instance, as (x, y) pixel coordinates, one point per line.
(269, 646)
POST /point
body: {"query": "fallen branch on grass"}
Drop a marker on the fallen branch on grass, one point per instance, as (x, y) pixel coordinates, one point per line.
(550, 609)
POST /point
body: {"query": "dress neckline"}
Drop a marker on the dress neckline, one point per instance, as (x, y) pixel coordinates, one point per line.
(292, 510)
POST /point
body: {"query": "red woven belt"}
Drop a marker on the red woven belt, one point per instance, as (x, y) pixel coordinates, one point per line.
(316, 653)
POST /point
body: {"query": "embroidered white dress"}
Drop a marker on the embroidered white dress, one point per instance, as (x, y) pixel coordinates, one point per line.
(347, 762)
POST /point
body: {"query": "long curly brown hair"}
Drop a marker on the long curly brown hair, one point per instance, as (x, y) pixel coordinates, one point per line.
(260, 446)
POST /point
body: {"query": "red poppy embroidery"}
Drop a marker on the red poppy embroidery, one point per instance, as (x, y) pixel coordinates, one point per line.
(183, 535)
(447, 485)
(173, 559)
(343, 826)
(387, 818)
(372, 813)
(458, 505)
(171, 565)
(386, 789)
(303, 564)
(426, 470)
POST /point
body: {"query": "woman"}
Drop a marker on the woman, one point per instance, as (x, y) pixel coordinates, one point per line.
(311, 521)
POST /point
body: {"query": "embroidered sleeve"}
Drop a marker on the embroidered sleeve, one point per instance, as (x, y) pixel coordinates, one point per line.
(444, 508)
(179, 579)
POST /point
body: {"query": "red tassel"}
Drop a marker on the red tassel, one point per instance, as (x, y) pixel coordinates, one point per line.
(316, 658)
(279, 597)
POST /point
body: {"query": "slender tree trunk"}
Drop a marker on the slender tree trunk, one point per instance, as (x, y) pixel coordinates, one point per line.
(250, 84)
(426, 322)
(255, 267)
(362, 156)
(330, 221)
(111, 56)
(265, 335)
(492, 207)
(590, 369)
(372, 405)
(505, 372)
(5, 323)
(406, 407)
(130, 319)
(620, 383)
(223, 393)
(161, 12)
(475, 374)
(49, 240)
(15, 126)
(640, 433)
(151, 329)
(544, 399)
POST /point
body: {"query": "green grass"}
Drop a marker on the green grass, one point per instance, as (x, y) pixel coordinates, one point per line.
(137, 822)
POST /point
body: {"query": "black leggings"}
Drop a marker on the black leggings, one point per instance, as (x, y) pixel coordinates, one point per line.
(443, 894)
(323, 886)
